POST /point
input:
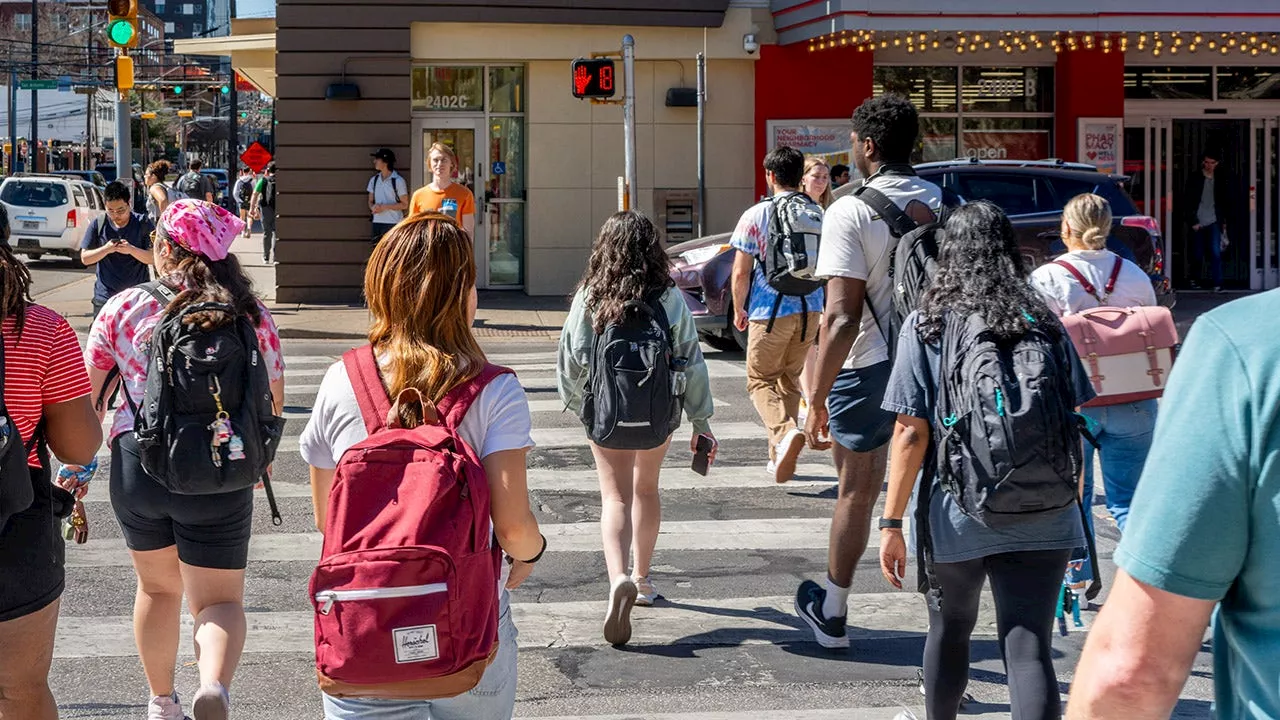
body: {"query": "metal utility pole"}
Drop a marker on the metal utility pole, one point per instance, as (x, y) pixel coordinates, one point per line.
(702, 143)
(88, 99)
(629, 118)
(33, 147)
(233, 123)
(124, 137)
(13, 114)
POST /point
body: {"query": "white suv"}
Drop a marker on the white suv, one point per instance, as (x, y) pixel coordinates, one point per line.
(49, 213)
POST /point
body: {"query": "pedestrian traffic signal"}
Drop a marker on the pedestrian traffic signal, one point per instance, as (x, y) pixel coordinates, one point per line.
(592, 78)
(124, 72)
(122, 23)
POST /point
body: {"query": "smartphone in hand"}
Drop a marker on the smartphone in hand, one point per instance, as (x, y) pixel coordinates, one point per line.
(702, 458)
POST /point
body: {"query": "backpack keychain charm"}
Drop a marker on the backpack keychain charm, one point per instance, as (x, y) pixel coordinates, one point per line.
(235, 448)
(221, 425)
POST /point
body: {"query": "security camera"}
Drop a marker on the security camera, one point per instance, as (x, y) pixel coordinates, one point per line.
(749, 44)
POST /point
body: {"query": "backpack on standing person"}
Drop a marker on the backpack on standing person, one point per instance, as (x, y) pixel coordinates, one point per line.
(192, 185)
(790, 254)
(268, 192)
(632, 400)
(406, 591)
(244, 190)
(205, 424)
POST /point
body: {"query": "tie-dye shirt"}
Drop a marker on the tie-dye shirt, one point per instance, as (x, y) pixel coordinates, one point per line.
(121, 337)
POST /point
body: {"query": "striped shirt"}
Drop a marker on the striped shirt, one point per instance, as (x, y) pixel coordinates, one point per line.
(42, 367)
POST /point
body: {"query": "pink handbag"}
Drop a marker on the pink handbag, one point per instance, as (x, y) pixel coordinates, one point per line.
(1128, 352)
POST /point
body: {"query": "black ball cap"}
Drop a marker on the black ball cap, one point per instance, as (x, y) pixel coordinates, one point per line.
(385, 155)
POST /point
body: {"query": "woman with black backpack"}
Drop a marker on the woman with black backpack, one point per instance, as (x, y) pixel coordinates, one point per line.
(186, 543)
(985, 384)
(45, 401)
(629, 361)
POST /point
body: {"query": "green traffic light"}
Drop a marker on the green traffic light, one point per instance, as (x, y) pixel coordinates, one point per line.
(244, 115)
(121, 32)
(225, 90)
(177, 89)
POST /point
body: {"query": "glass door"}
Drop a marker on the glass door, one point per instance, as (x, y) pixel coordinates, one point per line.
(1264, 202)
(459, 134)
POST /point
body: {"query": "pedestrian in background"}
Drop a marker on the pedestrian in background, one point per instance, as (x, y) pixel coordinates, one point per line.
(159, 192)
(45, 386)
(817, 185)
(442, 194)
(263, 206)
(981, 279)
(388, 194)
(197, 545)
(243, 194)
(627, 274)
(839, 175)
(420, 284)
(1209, 203)
(118, 245)
(196, 185)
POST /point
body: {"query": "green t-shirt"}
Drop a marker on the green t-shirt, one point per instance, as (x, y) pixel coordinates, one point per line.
(1205, 522)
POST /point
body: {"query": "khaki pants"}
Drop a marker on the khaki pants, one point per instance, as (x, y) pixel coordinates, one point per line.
(774, 362)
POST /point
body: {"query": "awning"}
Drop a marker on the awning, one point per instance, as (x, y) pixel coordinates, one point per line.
(251, 47)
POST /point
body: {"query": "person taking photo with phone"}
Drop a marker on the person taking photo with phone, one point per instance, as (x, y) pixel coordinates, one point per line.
(629, 365)
(119, 245)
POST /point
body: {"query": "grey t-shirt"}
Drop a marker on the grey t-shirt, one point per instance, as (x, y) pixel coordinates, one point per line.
(1207, 213)
(913, 390)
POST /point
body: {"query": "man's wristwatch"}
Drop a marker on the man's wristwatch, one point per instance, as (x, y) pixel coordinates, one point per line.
(890, 524)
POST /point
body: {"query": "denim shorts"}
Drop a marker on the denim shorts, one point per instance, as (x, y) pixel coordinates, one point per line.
(857, 421)
(493, 699)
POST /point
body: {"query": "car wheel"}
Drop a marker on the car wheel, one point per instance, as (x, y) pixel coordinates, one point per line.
(34, 256)
(723, 343)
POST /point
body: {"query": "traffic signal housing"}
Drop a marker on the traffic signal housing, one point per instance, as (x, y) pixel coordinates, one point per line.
(124, 72)
(122, 23)
(592, 78)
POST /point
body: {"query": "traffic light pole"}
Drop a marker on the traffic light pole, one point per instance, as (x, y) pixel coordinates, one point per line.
(33, 147)
(629, 119)
(124, 138)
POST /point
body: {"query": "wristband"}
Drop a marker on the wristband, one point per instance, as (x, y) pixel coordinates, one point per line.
(82, 474)
(890, 524)
(537, 557)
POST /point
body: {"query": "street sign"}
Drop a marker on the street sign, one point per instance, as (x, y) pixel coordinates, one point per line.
(256, 157)
(38, 84)
(592, 78)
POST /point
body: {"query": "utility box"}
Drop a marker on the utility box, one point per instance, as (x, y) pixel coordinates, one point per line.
(678, 214)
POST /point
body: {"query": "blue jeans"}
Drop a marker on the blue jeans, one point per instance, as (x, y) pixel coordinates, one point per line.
(1209, 239)
(493, 699)
(1125, 438)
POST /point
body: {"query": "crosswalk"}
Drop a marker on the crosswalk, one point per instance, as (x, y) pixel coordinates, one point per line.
(733, 547)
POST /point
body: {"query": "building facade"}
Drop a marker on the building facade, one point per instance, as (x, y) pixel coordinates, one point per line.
(1141, 92)
(184, 18)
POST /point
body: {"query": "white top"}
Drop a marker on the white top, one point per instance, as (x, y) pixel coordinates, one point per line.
(384, 193)
(856, 244)
(1065, 295)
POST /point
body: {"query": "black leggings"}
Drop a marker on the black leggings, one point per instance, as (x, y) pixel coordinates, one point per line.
(1025, 586)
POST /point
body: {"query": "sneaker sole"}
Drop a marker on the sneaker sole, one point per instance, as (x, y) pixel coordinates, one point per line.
(209, 707)
(617, 624)
(822, 638)
(787, 459)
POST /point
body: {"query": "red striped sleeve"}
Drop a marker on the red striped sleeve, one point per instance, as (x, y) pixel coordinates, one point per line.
(42, 367)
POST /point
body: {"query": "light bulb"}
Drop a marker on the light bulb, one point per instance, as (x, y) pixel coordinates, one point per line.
(1274, 49)
(986, 45)
(1225, 49)
(1155, 53)
(1008, 49)
(1213, 45)
(1197, 39)
(1253, 38)
(897, 42)
(1231, 42)
(1254, 52)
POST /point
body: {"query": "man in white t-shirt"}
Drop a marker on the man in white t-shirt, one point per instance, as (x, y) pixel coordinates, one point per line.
(853, 355)
(388, 194)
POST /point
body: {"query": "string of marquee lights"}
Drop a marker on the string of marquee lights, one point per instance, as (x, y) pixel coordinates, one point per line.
(1153, 43)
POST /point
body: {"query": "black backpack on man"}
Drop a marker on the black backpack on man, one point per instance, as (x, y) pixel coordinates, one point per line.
(790, 253)
(206, 424)
(631, 401)
(193, 185)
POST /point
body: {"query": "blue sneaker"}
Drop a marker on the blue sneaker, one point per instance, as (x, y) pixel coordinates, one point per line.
(829, 632)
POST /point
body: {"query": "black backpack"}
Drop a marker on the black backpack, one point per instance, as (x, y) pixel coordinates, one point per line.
(196, 378)
(395, 191)
(629, 402)
(244, 191)
(17, 493)
(192, 185)
(790, 255)
(268, 192)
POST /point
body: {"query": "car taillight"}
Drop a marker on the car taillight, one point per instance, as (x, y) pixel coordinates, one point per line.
(1158, 265)
(71, 218)
(1146, 222)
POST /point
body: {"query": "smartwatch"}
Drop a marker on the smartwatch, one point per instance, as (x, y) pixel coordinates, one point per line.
(889, 524)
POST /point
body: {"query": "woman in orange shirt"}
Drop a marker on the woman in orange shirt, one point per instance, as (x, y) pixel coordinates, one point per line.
(442, 194)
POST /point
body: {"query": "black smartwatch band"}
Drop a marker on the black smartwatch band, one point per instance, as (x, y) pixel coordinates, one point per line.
(888, 524)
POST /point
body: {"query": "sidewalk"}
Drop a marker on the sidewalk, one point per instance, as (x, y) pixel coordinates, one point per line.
(510, 315)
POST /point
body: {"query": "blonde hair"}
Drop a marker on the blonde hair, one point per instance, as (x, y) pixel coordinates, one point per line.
(810, 163)
(1088, 219)
(447, 152)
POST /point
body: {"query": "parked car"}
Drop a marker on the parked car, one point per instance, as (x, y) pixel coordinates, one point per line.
(1033, 193)
(92, 176)
(48, 214)
(108, 171)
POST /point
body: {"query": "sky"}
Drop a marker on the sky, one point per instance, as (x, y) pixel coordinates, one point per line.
(256, 8)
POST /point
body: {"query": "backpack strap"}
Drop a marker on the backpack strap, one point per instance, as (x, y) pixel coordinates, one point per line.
(366, 381)
(1088, 286)
(899, 222)
(1115, 275)
(455, 404)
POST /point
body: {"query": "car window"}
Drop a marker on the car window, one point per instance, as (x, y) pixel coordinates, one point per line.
(1121, 202)
(81, 200)
(1016, 194)
(34, 193)
(1067, 188)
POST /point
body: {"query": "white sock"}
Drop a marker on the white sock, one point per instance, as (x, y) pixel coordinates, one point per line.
(836, 603)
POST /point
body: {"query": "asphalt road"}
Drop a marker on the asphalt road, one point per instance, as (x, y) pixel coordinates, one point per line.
(50, 273)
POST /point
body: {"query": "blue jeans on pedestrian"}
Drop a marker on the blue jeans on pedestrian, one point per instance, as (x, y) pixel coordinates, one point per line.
(1124, 436)
(1208, 239)
(493, 699)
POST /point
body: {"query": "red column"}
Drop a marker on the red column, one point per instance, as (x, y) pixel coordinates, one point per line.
(1090, 83)
(793, 83)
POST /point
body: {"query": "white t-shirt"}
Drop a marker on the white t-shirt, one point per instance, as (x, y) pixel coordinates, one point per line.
(384, 193)
(1065, 295)
(856, 244)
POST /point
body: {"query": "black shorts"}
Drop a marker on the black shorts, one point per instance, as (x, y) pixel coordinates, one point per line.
(211, 531)
(854, 414)
(380, 229)
(32, 554)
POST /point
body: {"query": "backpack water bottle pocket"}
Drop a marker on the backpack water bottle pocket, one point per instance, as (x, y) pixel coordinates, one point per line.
(386, 615)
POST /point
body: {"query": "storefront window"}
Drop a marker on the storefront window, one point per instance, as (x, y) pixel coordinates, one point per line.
(988, 138)
(932, 89)
(448, 88)
(1007, 89)
(506, 150)
(937, 140)
(506, 89)
(506, 243)
(1248, 83)
(1168, 83)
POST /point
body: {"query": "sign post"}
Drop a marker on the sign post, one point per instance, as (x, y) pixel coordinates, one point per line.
(39, 83)
(629, 118)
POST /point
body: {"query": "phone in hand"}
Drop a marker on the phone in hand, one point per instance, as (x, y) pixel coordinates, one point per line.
(702, 458)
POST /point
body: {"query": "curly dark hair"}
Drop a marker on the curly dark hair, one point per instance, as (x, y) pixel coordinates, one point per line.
(892, 123)
(627, 263)
(980, 272)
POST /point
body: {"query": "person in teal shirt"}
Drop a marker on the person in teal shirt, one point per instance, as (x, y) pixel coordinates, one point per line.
(1203, 537)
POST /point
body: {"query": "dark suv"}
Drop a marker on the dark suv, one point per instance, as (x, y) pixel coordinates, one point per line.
(1033, 194)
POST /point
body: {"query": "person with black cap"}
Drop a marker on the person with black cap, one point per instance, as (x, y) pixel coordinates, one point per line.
(388, 194)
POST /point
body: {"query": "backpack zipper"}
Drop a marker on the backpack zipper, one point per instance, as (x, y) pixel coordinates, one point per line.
(327, 598)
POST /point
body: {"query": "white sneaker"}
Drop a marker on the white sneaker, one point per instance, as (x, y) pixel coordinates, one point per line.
(788, 454)
(617, 621)
(165, 707)
(646, 592)
(772, 468)
(211, 703)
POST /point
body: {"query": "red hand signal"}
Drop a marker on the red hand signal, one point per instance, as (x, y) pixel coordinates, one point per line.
(581, 79)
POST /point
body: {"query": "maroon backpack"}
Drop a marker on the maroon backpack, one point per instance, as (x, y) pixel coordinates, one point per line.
(406, 592)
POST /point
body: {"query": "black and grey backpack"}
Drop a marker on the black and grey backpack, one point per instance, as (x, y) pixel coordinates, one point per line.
(630, 402)
(790, 255)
